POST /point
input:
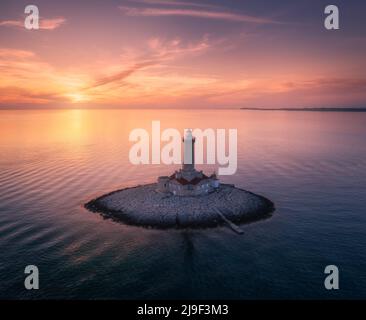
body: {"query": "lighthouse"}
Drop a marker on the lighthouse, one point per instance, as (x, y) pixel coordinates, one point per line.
(188, 181)
(188, 142)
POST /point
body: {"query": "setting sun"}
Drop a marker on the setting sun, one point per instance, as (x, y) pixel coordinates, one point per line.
(77, 97)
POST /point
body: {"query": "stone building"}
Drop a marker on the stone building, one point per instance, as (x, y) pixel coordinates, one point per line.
(188, 181)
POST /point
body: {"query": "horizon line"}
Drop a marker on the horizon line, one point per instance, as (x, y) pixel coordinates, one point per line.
(347, 109)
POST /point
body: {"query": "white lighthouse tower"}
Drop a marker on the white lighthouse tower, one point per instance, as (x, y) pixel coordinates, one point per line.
(188, 181)
(188, 141)
(188, 171)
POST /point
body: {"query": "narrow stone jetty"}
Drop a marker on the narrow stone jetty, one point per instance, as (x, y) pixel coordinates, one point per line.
(232, 225)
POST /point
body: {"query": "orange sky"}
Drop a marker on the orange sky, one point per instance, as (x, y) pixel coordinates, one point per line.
(153, 53)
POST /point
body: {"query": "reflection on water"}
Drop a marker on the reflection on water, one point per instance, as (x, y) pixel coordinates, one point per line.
(311, 165)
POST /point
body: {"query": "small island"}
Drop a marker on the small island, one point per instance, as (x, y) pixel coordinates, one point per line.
(186, 199)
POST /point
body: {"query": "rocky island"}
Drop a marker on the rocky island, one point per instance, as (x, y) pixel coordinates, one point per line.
(186, 199)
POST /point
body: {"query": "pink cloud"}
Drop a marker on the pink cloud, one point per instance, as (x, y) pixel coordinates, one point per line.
(14, 53)
(158, 52)
(51, 24)
(44, 24)
(122, 74)
(220, 15)
(175, 3)
(12, 23)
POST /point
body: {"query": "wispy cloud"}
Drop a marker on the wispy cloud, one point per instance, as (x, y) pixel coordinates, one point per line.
(163, 74)
(14, 53)
(44, 24)
(25, 78)
(195, 13)
(175, 3)
(12, 23)
(324, 85)
(119, 76)
(51, 24)
(157, 52)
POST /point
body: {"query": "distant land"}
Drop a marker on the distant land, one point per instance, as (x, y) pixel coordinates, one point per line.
(309, 109)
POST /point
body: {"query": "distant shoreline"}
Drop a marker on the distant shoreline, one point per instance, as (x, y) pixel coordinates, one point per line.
(309, 109)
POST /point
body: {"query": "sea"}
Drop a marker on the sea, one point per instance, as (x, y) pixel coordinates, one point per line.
(312, 165)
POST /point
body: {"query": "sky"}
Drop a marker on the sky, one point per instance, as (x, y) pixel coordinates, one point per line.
(182, 54)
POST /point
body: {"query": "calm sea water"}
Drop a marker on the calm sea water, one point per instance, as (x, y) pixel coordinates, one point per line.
(312, 165)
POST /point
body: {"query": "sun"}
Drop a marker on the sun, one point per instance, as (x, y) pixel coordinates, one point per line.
(77, 97)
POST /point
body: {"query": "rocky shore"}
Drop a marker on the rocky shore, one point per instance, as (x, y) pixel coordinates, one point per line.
(144, 206)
